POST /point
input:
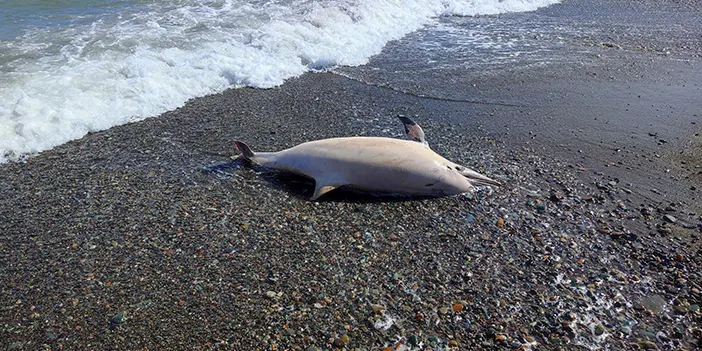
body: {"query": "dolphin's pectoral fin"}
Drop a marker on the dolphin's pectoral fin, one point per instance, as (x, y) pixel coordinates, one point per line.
(413, 130)
(322, 188)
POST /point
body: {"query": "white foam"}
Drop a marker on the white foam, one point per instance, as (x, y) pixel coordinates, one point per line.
(58, 84)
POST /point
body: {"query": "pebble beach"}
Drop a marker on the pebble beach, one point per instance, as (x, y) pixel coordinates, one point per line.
(153, 235)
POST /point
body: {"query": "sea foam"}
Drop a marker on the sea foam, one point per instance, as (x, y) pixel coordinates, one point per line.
(58, 83)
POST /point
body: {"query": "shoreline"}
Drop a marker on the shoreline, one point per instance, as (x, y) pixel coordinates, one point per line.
(147, 235)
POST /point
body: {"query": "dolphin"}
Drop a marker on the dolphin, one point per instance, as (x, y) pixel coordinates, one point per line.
(373, 164)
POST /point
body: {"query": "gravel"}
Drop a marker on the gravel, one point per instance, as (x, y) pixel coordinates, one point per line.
(150, 236)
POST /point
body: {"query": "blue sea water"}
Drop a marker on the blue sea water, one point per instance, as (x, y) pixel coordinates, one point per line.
(75, 66)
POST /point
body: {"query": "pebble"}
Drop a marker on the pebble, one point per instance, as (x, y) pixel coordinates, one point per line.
(378, 309)
(647, 345)
(670, 219)
(118, 319)
(341, 341)
(681, 310)
(654, 303)
(540, 207)
(433, 341)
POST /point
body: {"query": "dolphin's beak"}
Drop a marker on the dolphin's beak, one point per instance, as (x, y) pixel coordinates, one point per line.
(477, 178)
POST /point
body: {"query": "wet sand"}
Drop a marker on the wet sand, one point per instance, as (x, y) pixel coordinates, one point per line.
(149, 235)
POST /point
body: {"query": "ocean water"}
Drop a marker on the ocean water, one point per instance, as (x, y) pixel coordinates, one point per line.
(75, 66)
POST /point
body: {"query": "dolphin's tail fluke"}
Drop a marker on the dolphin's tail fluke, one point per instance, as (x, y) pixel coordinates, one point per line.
(244, 149)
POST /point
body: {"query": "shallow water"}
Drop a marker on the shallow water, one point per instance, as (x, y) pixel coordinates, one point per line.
(67, 68)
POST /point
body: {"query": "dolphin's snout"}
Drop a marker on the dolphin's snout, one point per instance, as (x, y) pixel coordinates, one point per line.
(475, 177)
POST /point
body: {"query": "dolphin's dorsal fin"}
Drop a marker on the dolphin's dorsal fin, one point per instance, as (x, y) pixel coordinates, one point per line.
(413, 130)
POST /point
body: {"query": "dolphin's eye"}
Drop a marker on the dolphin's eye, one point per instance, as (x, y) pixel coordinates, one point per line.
(458, 168)
(430, 184)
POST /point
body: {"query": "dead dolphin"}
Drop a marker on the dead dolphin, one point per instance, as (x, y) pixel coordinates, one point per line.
(373, 164)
